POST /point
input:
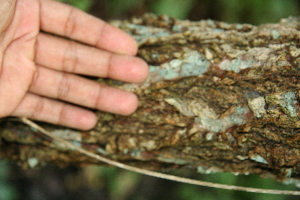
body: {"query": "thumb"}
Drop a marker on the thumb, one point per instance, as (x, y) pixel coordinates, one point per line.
(7, 10)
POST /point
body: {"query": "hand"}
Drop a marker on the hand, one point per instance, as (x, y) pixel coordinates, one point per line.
(38, 69)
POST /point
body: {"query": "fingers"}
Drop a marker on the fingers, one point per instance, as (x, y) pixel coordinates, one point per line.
(54, 112)
(81, 91)
(69, 56)
(70, 22)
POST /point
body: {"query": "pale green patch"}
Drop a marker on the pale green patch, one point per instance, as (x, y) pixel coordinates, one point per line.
(235, 65)
(193, 63)
(275, 34)
(32, 162)
(259, 158)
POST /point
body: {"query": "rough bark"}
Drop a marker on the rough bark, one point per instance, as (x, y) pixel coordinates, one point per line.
(220, 97)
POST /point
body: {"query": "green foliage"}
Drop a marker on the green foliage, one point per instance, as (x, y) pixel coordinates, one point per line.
(120, 182)
(117, 7)
(174, 8)
(83, 5)
(191, 192)
(232, 11)
(116, 178)
(6, 191)
(257, 11)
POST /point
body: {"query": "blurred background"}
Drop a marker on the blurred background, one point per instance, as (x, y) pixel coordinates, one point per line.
(109, 183)
(233, 11)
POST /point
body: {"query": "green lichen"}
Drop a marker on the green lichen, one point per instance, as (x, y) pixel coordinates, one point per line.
(288, 172)
(168, 74)
(204, 121)
(236, 65)
(153, 68)
(144, 33)
(209, 136)
(77, 143)
(239, 26)
(204, 170)
(174, 160)
(193, 63)
(259, 158)
(275, 34)
(177, 28)
(32, 162)
(135, 153)
(286, 101)
(102, 151)
(218, 30)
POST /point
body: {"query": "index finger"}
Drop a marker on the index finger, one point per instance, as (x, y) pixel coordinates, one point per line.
(65, 20)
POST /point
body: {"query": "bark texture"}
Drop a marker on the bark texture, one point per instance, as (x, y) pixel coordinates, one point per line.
(220, 97)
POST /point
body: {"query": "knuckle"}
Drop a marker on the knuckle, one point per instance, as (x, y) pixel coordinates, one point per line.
(98, 99)
(98, 40)
(70, 24)
(38, 110)
(61, 114)
(70, 59)
(108, 72)
(64, 86)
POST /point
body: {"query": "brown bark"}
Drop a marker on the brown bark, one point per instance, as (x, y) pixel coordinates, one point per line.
(220, 97)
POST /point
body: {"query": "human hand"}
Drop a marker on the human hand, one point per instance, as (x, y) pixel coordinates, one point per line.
(38, 69)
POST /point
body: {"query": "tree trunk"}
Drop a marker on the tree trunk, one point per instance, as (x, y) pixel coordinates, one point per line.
(220, 97)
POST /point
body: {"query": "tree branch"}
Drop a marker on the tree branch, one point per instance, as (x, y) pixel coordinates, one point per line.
(220, 97)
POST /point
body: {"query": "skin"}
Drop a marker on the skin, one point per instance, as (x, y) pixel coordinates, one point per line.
(39, 69)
